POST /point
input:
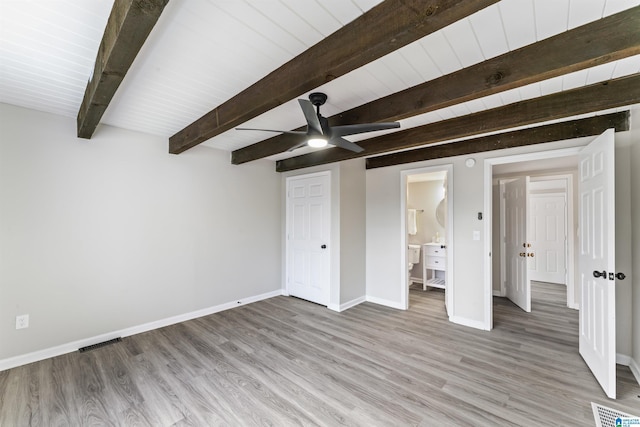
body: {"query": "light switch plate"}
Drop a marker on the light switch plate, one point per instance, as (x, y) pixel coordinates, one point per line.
(476, 235)
(22, 321)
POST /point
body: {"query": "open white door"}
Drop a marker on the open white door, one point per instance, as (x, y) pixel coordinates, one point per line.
(597, 260)
(518, 249)
(308, 233)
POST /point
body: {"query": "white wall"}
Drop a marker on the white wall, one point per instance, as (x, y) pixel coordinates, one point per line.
(113, 232)
(623, 243)
(383, 231)
(352, 231)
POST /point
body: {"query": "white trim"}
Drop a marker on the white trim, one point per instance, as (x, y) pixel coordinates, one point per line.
(385, 302)
(468, 322)
(333, 307)
(487, 291)
(635, 369)
(47, 353)
(347, 305)
(498, 293)
(623, 359)
(404, 279)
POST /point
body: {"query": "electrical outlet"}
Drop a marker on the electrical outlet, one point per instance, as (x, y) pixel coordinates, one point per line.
(22, 321)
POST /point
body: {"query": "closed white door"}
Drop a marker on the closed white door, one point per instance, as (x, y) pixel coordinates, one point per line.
(597, 260)
(517, 250)
(308, 232)
(548, 238)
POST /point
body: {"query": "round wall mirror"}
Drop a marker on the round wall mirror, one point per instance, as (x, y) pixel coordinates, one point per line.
(441, 211)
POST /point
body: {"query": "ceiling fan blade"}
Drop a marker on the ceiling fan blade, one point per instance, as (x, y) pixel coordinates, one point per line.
(295, 147)
(312, 118)
(291, 132)
(362, 128)
(347, 145)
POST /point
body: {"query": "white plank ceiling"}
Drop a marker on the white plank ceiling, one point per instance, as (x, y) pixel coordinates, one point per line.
(202, 52)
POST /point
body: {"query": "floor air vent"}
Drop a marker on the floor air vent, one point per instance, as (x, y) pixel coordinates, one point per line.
(99, 345)
(606, 417)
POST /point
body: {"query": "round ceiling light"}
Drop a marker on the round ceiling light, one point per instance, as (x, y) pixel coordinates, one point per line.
(317, 142)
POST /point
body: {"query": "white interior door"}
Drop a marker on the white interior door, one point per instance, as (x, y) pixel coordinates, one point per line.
(308, 233)
(548, 238)
(518, 285)
(597, 258)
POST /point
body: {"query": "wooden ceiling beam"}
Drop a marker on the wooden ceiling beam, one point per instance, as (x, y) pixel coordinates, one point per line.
(385, 28)
(597, 97)
(598, 42)
(519, 138)
(128, 26)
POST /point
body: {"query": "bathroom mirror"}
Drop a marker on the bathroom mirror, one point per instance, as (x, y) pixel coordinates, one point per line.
(441, 211)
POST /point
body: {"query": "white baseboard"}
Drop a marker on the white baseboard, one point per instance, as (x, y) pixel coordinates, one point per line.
(498, 293)
(385, 302)
(47, 353)
(334, 307)
(347, 305)
(635, 369)
(468, 322)
(623, 359)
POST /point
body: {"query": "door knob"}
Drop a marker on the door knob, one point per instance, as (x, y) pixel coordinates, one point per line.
(323, 247)
(597, 274)
(620, 276)
(522, 254)
(530, 254)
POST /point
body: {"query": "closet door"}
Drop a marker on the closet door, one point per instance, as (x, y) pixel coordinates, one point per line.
(548, 238)
(308, 233)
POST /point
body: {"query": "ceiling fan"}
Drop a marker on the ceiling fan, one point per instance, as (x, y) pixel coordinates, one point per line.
(319, 133)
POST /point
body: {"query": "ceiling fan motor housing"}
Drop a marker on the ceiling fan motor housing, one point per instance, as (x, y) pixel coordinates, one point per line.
(318, 98)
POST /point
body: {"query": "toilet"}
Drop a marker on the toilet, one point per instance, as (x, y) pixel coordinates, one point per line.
(413, 255)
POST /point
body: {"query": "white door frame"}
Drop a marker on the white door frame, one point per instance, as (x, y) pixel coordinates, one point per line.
(571, 235)
(488, 198)
(286, 229)
(404, 274)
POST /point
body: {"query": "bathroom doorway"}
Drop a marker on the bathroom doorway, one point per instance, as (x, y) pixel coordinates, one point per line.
(427, 231)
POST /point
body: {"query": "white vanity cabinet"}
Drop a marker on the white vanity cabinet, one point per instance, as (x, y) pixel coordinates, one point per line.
(434, 262)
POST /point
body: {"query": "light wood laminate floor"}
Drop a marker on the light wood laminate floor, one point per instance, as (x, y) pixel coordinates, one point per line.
(285, 361)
